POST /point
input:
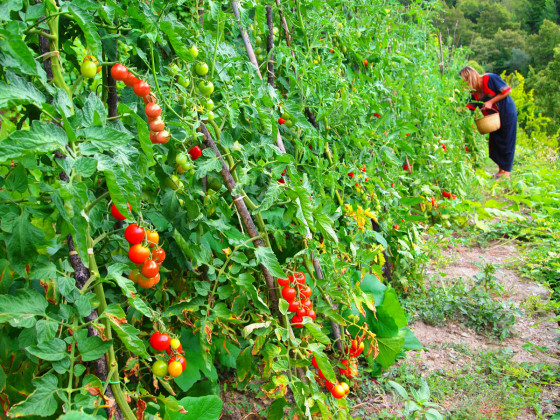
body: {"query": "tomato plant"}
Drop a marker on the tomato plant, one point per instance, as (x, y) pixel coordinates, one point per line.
(223, 192)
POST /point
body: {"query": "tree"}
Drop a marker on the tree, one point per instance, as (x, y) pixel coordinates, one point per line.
(493, 17)
(541, 45)
(550, 12)
(471, 9)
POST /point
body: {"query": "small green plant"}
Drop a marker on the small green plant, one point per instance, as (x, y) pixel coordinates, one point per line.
(417, 402)
(487, 280)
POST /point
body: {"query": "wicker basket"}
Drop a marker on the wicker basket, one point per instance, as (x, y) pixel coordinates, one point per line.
(488, 123)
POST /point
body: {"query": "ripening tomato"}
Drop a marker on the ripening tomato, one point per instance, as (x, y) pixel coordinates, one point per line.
(175, 368)
(119, 72)
(283, 282)
(133, 275)
(160, 341)
(134, 234)
(148, 283)
(345, 387)
(152, 110)
(289, 293)
(158, 255)
(153, 137)
(175, 345)
(141, 88)
(88, 69)
(162, 137)
(180, 359)
(329, 385)
(157, 125)
(159, 368)
(195, 152)
(150, 269)
(338, 391)
(152, 237)
(138, 253)
(117, 214)
(150, 97)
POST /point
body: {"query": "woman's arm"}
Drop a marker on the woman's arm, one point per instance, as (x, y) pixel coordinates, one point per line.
(497, 98)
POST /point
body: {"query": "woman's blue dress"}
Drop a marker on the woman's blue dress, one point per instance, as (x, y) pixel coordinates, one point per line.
(501, 146)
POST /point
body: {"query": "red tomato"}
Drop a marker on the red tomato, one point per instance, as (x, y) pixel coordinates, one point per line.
(148, 283)
(138, 253)
(281, 121)
(294, 306)
(300, 277)
(117, 214)
(195, 152)
(351, 175)
(283, 282)
(130, 80)
(311, 314)
(345, 387)
(119, 72)
(152, 110)
(159, 341)
(134, 234)
(306, 291)
(314, 362)
(446, 194)
(301, 312)
(178, 349)
(289, 293)
(307, 304)
(162, 137)
(141, 88)
(297, 321)
(150, 269)
(158, 255)
(329, 385)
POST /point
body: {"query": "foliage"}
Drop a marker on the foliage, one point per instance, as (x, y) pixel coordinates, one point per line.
(417, 402)
(363, 96)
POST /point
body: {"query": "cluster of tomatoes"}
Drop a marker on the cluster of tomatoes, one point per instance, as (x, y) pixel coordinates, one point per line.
(172, 346)
(182, 163)
(448, 195)
(144, 252)
(297, 294)
(158, 134)
(285, 119)
(260, 42)
(338, 389)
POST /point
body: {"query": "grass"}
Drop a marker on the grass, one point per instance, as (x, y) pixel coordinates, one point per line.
(489, 386)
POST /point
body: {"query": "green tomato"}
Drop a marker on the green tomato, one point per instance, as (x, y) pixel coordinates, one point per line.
(159, 368)
(285, 115)
(181, 159)
(275, 30)
(210, 116)
(193, 51)
(88, 69)
(258, 50)
(209, 104)
(260, 57)
(206, 87)
(183, 81)
(289, 123)
(173, 69)
(174, 183)
(213, 181)
(201, 69)
(258, 40)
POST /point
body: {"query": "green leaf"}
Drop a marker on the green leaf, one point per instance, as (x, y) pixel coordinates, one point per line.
(19, 52)
(78, 415)
(42, 402)
(325, 366)
(207, 163)
(389, 348)
(19, 92)
(244, 363)
(317, 333)
(88, 27)
(20, 310)
(266, 257)
(175, 33)
(105, 138)
(198, 408)
(50, 350)
(276, 410)
(92, 348)
(411, 342)
(399, 388)
(127, 333)
(46, 330)
(41, 138)
(324, 224)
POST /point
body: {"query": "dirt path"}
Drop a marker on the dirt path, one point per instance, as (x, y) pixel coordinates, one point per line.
(538, 329)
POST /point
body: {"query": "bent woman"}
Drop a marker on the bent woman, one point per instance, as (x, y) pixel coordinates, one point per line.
(490, 92)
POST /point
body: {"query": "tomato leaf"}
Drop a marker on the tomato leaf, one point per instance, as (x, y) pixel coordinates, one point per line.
(325, 366)
(20, 310)
(40, 138)
(92, 348)
(316, 332)
(88, 27)
(42, 402)
(126, 332)
(244, 363)
(389, 348)
(324, 223)
(208, 407)
(19, 92)
(50, 350)
(266, 257)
